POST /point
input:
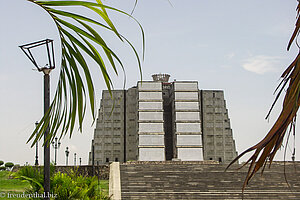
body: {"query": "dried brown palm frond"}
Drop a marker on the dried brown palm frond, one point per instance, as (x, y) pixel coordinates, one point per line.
(266, 149)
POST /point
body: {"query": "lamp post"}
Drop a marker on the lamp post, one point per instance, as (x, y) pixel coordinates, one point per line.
(293, 155)
(79, 161)
(36, 148)
(74, 159)
(48, 44)
(67, 155)
(93, 158)
(56, 146)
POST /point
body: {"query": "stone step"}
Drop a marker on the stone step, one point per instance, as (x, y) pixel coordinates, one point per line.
(206, 181)
(210, 195)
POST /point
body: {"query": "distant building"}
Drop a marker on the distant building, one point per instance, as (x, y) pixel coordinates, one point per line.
(160, 120)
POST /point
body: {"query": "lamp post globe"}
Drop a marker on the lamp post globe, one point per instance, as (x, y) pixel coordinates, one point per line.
(67, 155)
(56, 145)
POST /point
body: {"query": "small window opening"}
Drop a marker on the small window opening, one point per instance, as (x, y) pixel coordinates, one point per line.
(107, 159)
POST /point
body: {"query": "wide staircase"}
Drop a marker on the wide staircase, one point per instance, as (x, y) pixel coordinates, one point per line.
(206, 180)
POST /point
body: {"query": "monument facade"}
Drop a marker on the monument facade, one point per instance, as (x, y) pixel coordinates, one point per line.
(160, 120)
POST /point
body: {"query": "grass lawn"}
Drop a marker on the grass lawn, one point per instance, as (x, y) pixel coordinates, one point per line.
(10, 186)
(104, 186)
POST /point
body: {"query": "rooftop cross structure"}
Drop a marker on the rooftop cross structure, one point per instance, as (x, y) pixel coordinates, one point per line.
(161, 77)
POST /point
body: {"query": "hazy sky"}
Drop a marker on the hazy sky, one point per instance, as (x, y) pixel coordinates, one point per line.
(235, 45)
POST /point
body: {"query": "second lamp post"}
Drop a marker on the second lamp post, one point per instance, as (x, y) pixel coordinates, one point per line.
(67, 155)
(56, 145)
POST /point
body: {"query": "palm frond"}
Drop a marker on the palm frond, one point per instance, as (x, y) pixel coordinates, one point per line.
(266, 149)
(75, 85)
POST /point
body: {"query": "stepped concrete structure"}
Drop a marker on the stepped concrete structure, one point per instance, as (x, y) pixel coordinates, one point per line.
(160, 120)
(217, 133)
(202, 180)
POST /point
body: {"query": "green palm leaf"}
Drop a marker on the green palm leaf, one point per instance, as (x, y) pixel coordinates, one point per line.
(75, 85)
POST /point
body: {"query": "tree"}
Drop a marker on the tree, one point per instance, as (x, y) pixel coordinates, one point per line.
(267, 148)
(74, 89)
(2, 167)
(9, 165)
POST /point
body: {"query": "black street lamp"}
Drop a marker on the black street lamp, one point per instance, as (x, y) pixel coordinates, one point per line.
(67, 155)
(36, 149)
(56, 146)
(48, 44)
(74, 159)
(293, 154)
(93, 157)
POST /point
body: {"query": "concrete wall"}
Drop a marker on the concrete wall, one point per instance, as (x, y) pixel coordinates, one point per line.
(189, 140)
(188, 127)
(188, 116)
(187, 106)
(150, 140)
(149, 86)
(186, 86)
(148, 116)
(131, 124)
(150, 122)
(219, 144)
(190, 154)
(150, 106)
(109, 131)
(151, 127)
(186, 96)
(152, 154)
(84, 170)
(186, 120)
(163, 120)
(150, 96)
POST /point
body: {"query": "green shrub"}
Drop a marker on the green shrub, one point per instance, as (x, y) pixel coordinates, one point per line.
(74, 186)
(1, 162)
(66, 186)
(9, 165)
(34, 176)
(2, 168)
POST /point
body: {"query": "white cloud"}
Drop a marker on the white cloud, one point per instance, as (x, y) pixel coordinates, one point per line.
(230, 55)
(261, 64)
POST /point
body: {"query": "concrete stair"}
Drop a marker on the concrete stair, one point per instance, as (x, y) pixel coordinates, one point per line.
(203, 180)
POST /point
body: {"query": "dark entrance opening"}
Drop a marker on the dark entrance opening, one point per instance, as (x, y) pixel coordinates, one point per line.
(167, 106)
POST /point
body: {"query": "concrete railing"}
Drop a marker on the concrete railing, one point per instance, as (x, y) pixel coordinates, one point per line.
(115, 181)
